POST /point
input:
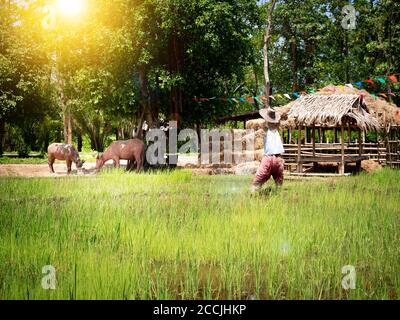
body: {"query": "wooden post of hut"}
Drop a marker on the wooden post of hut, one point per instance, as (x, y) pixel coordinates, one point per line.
(299, 164)
(360, 150)
(315, 164)
(342, 164)
(334, 135)
(349, 134)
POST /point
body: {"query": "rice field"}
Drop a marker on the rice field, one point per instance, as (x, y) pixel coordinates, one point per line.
(172, 235)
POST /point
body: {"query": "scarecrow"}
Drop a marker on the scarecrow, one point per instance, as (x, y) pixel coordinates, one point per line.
(272, 162)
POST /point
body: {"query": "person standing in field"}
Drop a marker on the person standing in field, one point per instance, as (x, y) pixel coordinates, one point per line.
(272, 162)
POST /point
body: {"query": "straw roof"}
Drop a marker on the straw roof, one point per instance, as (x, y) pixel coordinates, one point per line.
(332, 106)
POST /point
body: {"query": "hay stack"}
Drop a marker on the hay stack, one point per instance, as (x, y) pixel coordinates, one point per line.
(237, 135)
(256, 124)
(259, 154)
(258, 137)
(245, 169)
(370, 166)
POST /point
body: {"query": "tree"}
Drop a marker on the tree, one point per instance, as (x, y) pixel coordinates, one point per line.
(25, 93)
(267, 37)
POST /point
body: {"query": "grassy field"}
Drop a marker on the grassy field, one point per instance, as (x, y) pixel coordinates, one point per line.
(173, 235)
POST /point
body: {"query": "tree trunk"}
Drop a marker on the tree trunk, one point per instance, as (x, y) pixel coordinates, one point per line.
(2, 136)
(149, 103)
(176, 58)
(67, 117)
(346, 56)
(267, 37)
(293, 47)
(310, 54)
(255, 93)
(96, 142)
(80, 142)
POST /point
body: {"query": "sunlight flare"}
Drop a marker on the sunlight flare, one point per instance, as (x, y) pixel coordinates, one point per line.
(70, 8)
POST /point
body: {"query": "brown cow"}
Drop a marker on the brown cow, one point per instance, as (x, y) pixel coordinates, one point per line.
(67, 152)
(132, 150)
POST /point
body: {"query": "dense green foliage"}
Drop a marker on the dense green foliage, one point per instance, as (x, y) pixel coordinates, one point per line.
(173, 235)
(126, 61)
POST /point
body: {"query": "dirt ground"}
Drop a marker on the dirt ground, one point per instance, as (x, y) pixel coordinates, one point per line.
(42, 170)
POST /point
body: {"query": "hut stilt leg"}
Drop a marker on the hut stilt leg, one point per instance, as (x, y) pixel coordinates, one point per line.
(360, 150)
(299, 164)
(342, 164)
(315, 164)
(349, 134)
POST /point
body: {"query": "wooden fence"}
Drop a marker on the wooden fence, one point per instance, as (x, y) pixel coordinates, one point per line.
(374, 151)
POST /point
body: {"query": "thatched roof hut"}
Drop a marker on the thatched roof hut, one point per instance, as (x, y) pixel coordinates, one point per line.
(332, 106)
(332, 111)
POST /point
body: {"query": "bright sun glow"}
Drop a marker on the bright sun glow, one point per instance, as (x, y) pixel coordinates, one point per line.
(70, 8)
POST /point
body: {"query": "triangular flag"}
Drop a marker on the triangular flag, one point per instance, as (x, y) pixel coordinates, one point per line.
(287, 96)
(296, 94)
(370, 82)
(381, 80)
(382, 95)
(242, 100)
(258, 100)
(392, 94)
(230, 100)
(272, 97)
(233, 99)
(278, 95)
(358, 84)
(393, 78)
(349, 85)
(312, 91)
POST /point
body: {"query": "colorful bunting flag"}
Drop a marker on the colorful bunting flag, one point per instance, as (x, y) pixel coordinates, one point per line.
(393, 78)
(381, 80)
(259, 99)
